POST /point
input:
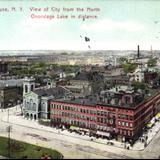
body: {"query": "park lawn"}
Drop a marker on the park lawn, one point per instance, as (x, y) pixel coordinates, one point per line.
(27, 151)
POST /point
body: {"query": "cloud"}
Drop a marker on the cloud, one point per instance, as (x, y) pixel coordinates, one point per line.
(110, 25)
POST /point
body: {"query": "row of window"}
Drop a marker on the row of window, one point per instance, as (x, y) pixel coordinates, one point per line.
(30, 106)
(67, 114)
(75, 123)
(105, 120)
(125, 132)
(82, 124)
(124, 116)
(77, 109)
(125, 124)
(105, 113)
(104, 128)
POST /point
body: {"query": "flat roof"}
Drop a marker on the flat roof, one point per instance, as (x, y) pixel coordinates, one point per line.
(92, 101)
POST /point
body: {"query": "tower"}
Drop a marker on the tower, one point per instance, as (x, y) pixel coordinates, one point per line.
(28, 85)
(152, 53)
(138, 53)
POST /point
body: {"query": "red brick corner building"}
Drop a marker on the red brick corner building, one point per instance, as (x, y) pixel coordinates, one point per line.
(116, 114)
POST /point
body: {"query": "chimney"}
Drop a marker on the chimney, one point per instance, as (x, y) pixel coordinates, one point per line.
(138, 54)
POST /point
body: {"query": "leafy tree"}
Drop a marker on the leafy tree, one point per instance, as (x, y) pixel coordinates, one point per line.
(123, 60)
(152, 62)
(139, 85)
(129, 67)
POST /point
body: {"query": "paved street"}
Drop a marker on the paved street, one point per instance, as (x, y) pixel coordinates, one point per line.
(70, 147)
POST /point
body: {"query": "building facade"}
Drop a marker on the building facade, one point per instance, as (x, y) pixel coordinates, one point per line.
(106, 120)
(3, 67)
(10, 96)
(36, 100)
(11, 92)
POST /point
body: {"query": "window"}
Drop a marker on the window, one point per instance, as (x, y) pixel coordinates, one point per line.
(130, 117)
(122, 131)
(32, 87)
(131, 125)
(122, 123)
(26, 89)
(119, 123)
(126, 124)
(111, 122)
(119, 131)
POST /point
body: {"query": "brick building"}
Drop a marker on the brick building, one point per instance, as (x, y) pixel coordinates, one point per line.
(123, 114)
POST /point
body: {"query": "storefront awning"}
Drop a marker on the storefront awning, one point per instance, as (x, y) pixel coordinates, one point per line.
(84, 129)
(149, 125)
(74, 128)
(107, 134)
(158, 115)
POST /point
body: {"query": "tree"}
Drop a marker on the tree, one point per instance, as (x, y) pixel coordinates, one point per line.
(152, 62)
(123, 60)
(139, 85)
(129, 67)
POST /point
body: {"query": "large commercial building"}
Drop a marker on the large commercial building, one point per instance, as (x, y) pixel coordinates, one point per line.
(115, 113)
(10, 92)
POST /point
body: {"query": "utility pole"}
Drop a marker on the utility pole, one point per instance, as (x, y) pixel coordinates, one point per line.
(8, 136)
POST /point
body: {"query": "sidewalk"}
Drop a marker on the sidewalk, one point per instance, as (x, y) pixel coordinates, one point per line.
(151, 133)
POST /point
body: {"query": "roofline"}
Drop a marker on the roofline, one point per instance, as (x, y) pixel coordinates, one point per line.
(108, 105)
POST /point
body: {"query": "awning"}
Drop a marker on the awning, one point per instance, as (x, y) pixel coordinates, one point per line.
(74, 128)
(107, 134)
(149, 125)
(84, 129)
(158, 115)
(153, 120)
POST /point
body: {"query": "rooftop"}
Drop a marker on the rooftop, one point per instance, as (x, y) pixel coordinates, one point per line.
(11, 83)
(57, 92)
(138, 99)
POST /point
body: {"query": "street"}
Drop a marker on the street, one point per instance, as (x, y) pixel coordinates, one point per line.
(71, 147)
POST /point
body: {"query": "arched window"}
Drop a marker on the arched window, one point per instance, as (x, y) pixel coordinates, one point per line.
(43, 106)
(34, 106)
(31, 104)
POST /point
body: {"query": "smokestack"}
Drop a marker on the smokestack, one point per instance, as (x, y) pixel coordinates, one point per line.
(138, 54)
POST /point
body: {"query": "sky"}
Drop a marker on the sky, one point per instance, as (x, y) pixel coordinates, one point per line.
(120, 25)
